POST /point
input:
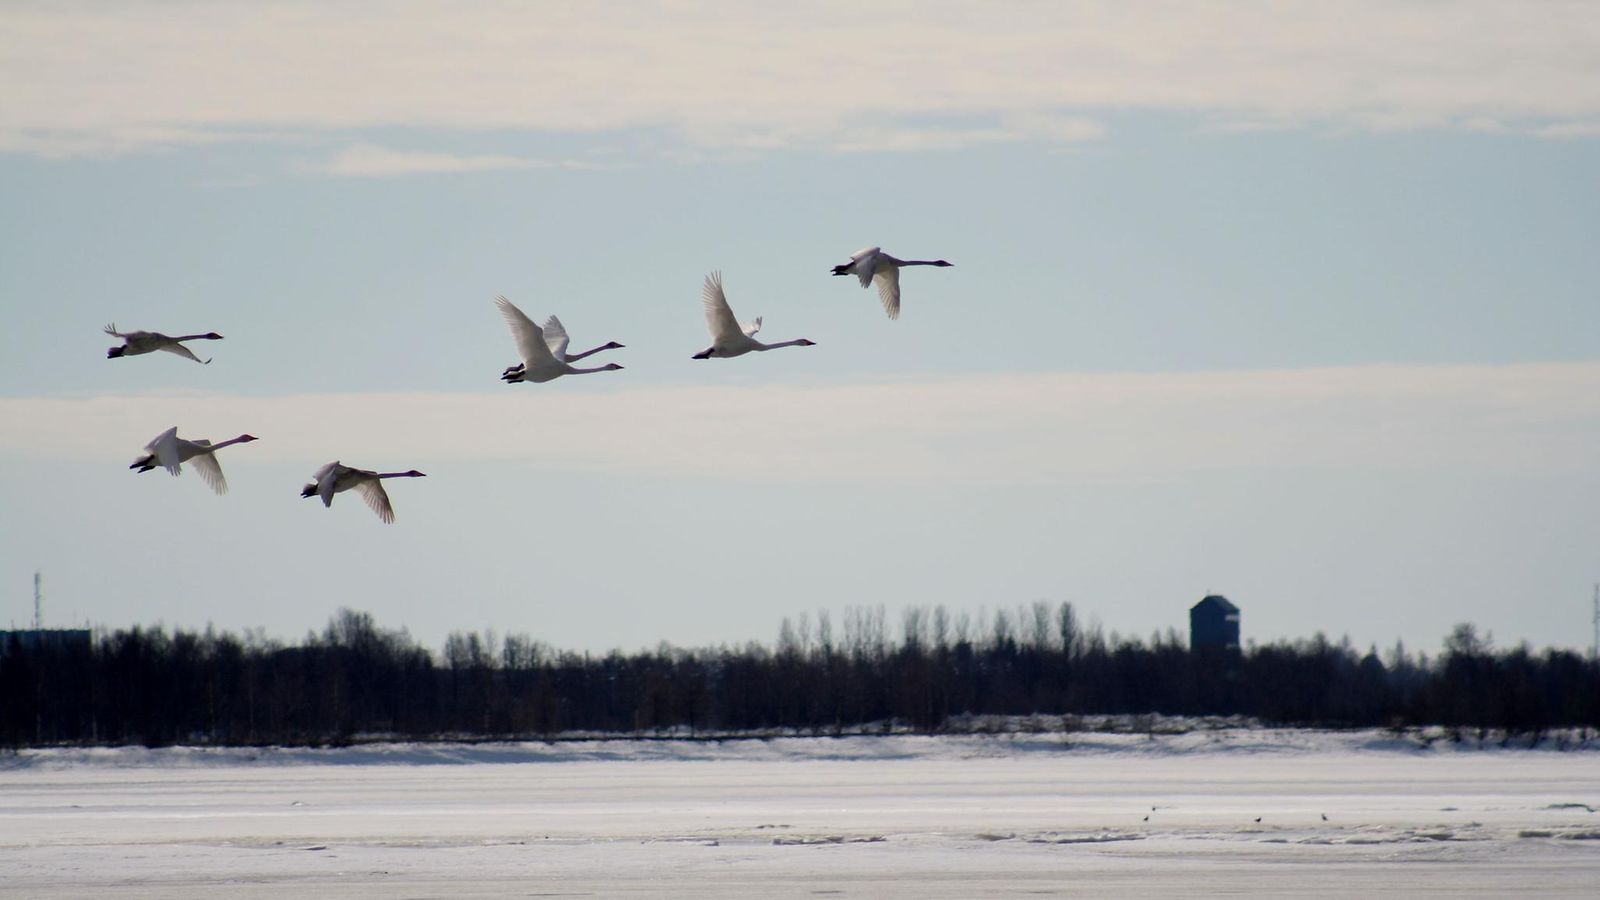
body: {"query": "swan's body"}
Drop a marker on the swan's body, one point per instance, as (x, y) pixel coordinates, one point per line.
(137, 342)
(872, 264)
(336, 477)
(728, 337)
(170, 452)
(544, 350)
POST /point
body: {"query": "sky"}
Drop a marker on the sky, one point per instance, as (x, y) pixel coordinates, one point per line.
(1292, 303)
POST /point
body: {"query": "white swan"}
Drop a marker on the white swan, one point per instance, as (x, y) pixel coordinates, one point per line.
(872, 264)
(335, 477)
(170, 452)
(137, 342)
(728, 337)
(544, 350)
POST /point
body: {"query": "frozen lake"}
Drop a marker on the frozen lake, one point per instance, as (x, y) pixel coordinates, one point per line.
(1273, 813)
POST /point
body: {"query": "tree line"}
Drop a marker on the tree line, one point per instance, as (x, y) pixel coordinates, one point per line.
(356, 680)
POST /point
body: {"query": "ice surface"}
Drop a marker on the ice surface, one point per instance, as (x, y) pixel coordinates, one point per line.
(1290, 813)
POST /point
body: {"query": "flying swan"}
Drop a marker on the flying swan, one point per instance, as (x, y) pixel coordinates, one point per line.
(872, 264)
(137, 342)
(544, 350)
(170, 452)
(728, 337)
(335, 477)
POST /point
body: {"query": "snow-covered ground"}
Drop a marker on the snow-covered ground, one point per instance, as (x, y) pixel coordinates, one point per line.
(1209, 812)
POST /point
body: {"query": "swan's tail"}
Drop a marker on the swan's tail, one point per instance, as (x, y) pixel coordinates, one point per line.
(114, 352)
(844, 269)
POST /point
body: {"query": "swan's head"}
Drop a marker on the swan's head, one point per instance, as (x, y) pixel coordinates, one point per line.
(415, 474)
(247, 438)
(942, 264)
(212, 336)
(613, 345)
(610, 367)
(805, 343)
(114, 352)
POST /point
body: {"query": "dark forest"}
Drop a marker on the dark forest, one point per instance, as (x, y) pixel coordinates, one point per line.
(357, 681)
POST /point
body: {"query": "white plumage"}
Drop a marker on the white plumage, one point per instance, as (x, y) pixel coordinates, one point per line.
(871, 265)
(336, 477)
(544, 350)
(728, 336)
(170, 452)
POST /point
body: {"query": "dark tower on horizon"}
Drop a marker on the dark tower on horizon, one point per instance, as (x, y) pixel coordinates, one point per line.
(1214, 624)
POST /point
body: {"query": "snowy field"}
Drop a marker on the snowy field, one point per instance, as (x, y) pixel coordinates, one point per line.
(1290, 813)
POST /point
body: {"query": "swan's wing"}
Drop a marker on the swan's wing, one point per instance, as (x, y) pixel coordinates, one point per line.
(752, 326)
(327, 479)
(865, 261)
(719, 316)
(165, 448)
(889, 290)
(112, 330)
(529, 337)
(210, 472)
(181, 350)
(373, 492)
(555, 337)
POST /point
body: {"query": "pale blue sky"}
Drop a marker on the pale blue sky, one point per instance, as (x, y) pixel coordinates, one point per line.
(1310, 324)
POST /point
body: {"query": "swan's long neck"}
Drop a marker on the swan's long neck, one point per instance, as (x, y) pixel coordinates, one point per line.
(215, 447)
(398, 474)
(195, 337)
(574, 370)
(574, 357)
(920, 262)
(797, 342)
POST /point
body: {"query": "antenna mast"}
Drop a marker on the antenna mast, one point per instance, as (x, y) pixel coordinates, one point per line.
(38, 600)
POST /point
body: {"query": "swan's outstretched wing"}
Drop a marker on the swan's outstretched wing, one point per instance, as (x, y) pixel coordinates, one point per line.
(531, 347)
(181, 350)
(719, 316)
(112, 330)
(205, 462)
(888, 279)
(865, 262)
(165, 449)
(327, 479)
(555, 337)
(373, 492)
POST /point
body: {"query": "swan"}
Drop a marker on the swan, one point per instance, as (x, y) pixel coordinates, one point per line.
(137, 342)
(170, 451)
(335, 477)
(728, 337)
(544, 350)
(872, 264)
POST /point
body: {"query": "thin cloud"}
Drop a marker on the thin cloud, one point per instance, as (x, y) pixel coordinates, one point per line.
(119, 140)
(1013, 429)
(1571, 130)
(116, 77)
(372, 161)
